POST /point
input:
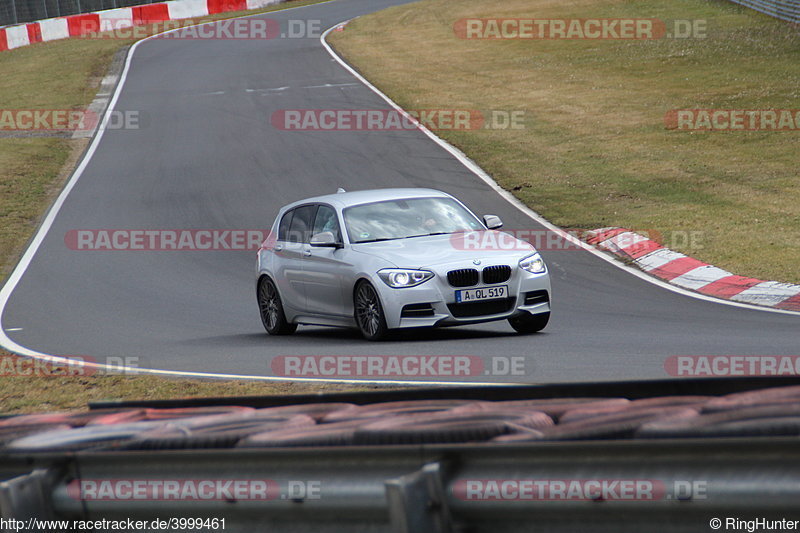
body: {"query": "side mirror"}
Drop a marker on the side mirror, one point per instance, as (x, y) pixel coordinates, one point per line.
(492, 221)
(325, 239)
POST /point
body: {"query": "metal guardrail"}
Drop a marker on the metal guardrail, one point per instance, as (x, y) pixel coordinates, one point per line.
(788, 10)
(22, 11)
(411, 489)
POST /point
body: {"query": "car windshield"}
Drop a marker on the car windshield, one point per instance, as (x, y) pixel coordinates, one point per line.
(406, 218)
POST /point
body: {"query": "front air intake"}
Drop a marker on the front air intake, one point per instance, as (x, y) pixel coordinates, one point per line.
(464, 277)
(496, 274)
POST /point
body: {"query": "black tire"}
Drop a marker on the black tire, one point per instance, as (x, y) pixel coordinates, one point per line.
(528, 323)
(271, 309)
(369, 313)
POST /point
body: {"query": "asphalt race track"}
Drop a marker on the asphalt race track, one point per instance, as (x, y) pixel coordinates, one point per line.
(208, 157)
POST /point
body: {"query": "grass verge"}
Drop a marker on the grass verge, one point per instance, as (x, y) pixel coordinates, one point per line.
(66, 75)
(594, 150)
(26, 389)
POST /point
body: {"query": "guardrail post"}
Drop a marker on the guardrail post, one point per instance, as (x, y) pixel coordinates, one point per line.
(418, 503)
(27, 496)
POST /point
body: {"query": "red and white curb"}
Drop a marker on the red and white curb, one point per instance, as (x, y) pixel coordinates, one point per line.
(689, 273)
(116, 19)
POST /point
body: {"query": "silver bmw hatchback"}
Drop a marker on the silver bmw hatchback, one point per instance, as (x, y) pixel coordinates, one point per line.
(392, 259)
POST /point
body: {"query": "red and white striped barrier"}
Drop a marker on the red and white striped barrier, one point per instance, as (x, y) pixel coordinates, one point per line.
(114, 19)
(689, 273)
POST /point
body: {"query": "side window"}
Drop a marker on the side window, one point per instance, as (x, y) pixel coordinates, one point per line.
(326, 221)
(302, 223)
(283, 227)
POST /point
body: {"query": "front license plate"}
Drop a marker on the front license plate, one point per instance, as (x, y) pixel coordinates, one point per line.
(483, 293)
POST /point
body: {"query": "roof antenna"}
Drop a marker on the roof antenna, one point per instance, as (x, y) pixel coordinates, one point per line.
(340, 190)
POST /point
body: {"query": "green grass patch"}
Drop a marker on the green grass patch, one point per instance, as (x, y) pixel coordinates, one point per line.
(45, 393)
(595, 151)
(64, 74)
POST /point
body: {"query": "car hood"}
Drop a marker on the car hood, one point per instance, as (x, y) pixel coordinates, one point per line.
(427, 252)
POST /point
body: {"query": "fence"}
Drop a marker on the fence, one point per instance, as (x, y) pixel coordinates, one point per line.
(788, 10)
(21, 11)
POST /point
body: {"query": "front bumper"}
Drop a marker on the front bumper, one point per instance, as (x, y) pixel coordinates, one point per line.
(433, 303)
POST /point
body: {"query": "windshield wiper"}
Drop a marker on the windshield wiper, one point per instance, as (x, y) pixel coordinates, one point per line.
(429, 234)
(378, 240)
(409, 237)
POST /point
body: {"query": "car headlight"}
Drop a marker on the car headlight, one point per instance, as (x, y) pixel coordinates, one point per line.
(399, 278)
(533, 264)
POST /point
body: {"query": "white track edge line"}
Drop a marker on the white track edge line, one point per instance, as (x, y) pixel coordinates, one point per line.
(19, 270)
(513, 200)
(24, 262)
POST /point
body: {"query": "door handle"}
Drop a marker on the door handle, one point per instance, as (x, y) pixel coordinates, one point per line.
(307, 253)
(278, 247)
